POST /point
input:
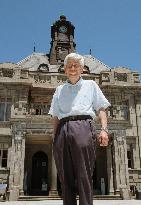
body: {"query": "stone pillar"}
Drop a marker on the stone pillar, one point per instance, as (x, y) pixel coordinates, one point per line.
(22, 165)
(122, 164)
(17, 166)
(135, 132)
(138, 125)
(53, 189)
(110, 170)
(116, 164)
(12, 194)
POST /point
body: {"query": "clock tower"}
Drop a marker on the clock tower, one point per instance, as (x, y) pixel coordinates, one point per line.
(62, 43)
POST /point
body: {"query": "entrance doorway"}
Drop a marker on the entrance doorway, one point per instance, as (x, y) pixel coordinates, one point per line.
(39, 179)
(100, 179)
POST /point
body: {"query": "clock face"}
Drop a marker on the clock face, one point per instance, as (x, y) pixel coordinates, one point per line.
(63, 29)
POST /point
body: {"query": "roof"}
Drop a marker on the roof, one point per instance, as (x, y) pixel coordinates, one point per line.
(9, 65)
(95, 65)
(33, 61)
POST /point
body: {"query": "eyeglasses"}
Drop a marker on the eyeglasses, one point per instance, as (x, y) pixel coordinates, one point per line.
(69, 66)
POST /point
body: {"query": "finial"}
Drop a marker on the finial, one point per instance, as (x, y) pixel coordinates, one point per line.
(34, 48)
(63, 17)
(90, 51)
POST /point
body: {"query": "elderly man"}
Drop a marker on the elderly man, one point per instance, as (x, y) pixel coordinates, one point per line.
(74, 106)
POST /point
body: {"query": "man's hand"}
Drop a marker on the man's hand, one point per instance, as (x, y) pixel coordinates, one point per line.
(103, 138)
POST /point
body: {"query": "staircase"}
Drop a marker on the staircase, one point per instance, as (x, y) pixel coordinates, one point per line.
(43, 198)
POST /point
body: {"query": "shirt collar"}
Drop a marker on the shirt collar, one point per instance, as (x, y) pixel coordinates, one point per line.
(79, 82)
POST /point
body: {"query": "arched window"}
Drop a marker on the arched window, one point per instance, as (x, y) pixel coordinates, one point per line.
(86, 70)
(61, 68)
(43, 67)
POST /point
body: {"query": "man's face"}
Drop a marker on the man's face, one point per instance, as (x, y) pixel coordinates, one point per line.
(73, 70)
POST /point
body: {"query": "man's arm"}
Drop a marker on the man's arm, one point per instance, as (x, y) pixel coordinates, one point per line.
(103, 136)
(56, 122)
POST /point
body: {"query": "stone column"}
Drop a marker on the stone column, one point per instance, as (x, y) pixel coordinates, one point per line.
(53, 189)
(138, 125)
(17, 166)
(11, 192)
(110, 170)
(116, 164)
(135, 114)
(22, 165)
(122, 166)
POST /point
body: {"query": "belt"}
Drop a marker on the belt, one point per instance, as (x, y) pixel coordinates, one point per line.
(75, 117)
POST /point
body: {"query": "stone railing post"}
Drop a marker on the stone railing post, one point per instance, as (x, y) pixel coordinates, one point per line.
(53, 188)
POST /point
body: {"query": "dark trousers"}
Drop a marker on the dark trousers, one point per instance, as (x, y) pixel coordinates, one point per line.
(74, 153)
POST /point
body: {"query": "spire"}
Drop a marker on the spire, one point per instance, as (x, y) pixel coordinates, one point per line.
(90, 51)
(63, 17)
(34, 49)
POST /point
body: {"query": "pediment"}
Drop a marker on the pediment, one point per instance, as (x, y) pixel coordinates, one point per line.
(121, 70)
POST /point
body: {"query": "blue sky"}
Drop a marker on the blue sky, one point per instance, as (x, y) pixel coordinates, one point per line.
(111, 28)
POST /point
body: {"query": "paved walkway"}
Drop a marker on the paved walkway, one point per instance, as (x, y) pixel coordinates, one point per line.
(59, 202)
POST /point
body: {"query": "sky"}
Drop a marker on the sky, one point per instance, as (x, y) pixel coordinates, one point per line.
(110, 28)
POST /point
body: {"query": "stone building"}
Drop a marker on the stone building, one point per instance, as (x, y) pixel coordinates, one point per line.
(26, 88)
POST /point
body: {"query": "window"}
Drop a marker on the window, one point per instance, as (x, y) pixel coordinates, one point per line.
(39, 109)
(120, 76)
(43, 67)
(86, 70)
(5, 111)
(7, 73)
(61, 68)
(3, 157)
(130, 155)
(124, 112)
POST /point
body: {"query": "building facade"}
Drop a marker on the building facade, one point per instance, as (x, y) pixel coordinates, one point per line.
(26, 89)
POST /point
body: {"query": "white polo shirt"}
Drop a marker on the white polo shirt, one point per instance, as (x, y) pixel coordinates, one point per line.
(82, 98)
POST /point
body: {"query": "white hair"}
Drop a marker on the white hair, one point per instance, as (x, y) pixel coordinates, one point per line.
(74, 56)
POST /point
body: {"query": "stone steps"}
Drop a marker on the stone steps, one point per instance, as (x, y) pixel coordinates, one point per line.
(60, 202)
(43, 198)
